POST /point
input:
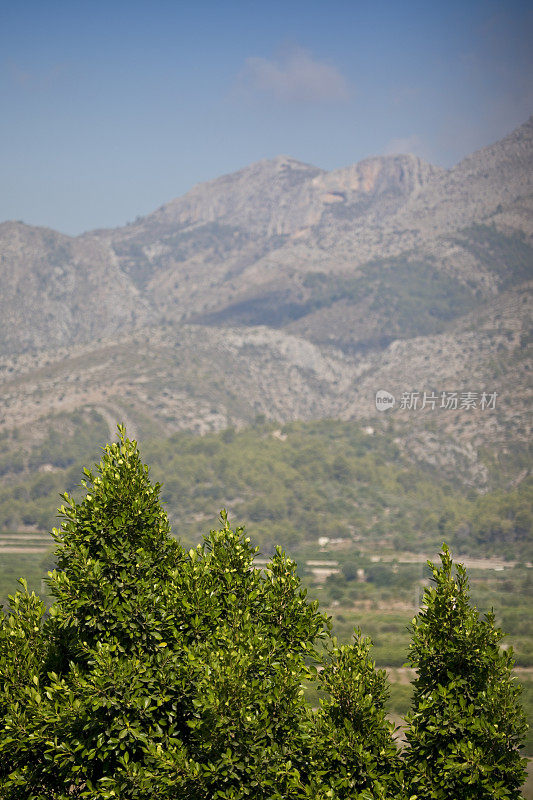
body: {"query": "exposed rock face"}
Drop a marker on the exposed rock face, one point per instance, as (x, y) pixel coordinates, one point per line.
(57, 290)
(238, 238)
(483, 186)
(305, 287)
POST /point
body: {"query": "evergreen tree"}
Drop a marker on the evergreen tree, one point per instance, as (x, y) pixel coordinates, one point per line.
(161, 673)
(466, 724)
(354, 740)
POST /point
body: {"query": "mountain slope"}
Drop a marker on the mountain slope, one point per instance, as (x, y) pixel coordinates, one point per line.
(244, 246)
(292, 292)
(56, 290)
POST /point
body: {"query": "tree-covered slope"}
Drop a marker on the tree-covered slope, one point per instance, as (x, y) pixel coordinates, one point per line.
(291, 484)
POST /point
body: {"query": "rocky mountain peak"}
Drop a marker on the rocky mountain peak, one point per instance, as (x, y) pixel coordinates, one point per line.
(379, 175)
(244, 240)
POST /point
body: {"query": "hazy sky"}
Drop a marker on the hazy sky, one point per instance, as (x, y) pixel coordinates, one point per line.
(109, 109)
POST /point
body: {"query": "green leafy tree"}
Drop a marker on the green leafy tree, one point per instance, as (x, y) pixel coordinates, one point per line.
(353, 737)
(466, 724)
(164, 673)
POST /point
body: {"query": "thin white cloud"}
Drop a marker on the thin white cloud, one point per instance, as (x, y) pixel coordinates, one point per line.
(294, 77)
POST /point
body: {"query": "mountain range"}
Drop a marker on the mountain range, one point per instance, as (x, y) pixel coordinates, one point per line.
(287, 291)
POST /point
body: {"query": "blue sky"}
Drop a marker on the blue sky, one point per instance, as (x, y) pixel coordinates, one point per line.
(109, 109)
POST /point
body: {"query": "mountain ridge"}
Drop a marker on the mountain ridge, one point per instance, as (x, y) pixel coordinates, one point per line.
(304, 288)
(227, 241)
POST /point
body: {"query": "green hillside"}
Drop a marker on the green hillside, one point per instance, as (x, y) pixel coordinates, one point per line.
(377, 516)
(290, 485)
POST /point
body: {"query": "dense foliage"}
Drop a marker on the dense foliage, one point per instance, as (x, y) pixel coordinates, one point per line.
(165, 673)
(293, 484)
(466, 723)
(161, 672)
